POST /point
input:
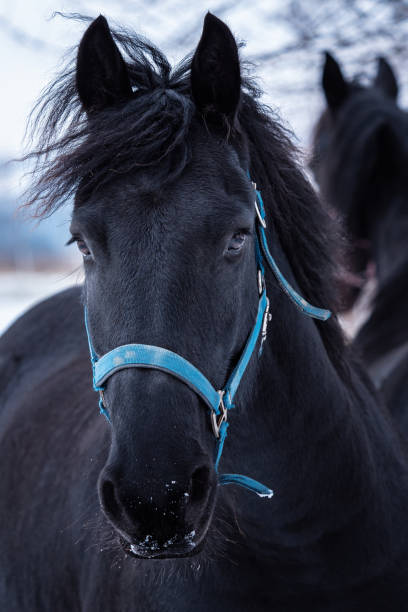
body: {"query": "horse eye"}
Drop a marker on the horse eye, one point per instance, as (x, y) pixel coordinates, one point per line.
(81, 244)
(237, 242)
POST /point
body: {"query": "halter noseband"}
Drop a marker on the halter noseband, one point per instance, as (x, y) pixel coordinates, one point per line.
(219, 401)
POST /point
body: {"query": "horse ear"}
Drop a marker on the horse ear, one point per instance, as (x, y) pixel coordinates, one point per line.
(335, 86)
(101, 75)
(385, 79)
(215, 71)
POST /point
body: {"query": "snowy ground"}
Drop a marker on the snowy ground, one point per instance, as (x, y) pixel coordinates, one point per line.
(21, 290)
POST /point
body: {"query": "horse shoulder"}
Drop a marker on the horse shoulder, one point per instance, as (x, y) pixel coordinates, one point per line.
(41, 341)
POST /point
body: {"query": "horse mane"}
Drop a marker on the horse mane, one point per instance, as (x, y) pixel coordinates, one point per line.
(153, 127)
(150, 128)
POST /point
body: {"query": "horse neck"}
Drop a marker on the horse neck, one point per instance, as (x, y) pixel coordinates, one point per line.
(385, 330)
(329, 452)
(389, 238)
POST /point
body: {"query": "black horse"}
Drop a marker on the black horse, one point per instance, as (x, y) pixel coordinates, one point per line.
(360, 160)
(95, 516)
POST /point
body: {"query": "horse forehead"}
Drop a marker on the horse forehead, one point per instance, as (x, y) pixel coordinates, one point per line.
(184, 208)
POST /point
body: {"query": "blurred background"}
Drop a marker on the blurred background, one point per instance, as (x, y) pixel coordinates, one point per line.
(284, 41)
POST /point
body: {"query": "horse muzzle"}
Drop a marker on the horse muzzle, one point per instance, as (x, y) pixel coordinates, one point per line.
(159, 518)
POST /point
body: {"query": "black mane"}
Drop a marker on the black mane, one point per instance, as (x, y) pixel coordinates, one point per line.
(151, 130)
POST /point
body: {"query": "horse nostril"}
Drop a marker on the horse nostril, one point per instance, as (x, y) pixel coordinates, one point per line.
(109, 499)
(199, 485)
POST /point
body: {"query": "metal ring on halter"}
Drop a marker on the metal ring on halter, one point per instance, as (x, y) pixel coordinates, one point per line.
(260, 218)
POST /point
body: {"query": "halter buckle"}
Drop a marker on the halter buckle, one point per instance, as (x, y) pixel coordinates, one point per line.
(218, 420)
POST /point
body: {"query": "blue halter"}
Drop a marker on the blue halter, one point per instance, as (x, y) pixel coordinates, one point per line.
(219, 401)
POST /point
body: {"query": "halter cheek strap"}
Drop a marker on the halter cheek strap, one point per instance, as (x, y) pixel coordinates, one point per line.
(218, 401)
(312, 311)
